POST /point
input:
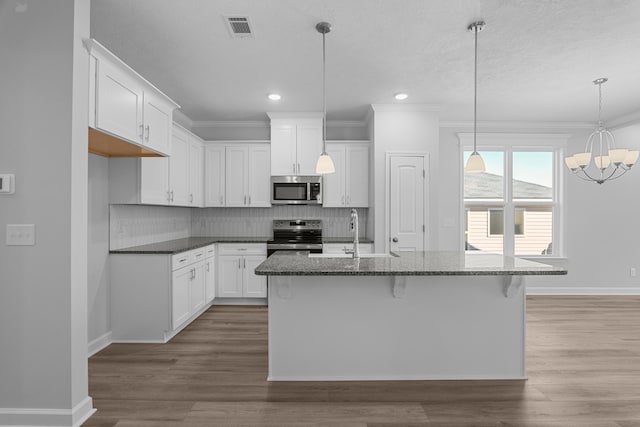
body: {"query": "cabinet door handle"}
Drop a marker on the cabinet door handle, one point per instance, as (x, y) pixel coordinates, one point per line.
(249, 200)
(238, 262)
(244, 263)
(172, 195)
(348, 200)
(245, 200)
(294, 168)
(221, 201)
(168, 196)
(141, 131)
(191, 198)
(298, 168)
(208, 266)
(342, 200)
(148, 129)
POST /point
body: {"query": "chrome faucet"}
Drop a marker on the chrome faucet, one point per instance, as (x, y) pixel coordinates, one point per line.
(354, 230)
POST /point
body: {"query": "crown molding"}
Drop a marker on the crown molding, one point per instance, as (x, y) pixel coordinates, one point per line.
(517, 125)
(230, 124)
(182, 119)
(624, 121)
(406, 107)
(303, 115)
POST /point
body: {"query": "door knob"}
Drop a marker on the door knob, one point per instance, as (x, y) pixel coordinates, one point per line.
(394, 240)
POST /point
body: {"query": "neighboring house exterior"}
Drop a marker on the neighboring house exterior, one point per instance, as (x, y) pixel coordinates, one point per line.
(484, 221)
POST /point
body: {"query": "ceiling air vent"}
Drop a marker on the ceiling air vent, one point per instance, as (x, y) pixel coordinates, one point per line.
(239, 26)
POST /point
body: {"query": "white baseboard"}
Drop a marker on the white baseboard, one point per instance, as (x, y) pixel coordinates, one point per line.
(48, 417)
(582, 290)
(239, 301)
(99, 343)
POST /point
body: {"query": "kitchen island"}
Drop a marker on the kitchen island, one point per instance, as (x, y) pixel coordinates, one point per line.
(413, 316)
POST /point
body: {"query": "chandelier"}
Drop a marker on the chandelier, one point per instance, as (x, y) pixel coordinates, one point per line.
(609, 162)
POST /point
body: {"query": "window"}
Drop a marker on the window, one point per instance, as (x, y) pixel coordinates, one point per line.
(513, 208)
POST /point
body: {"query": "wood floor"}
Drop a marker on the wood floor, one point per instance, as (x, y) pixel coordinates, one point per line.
(583, 362)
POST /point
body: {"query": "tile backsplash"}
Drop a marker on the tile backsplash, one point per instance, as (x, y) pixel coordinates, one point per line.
(134, 225)
(256, 222)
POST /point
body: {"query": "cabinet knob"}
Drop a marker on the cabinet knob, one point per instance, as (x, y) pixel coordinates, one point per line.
(394, 240)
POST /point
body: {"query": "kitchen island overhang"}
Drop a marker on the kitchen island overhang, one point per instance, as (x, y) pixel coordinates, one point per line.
(415, 316)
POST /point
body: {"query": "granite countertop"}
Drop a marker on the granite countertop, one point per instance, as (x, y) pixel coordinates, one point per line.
(171, 247)
(344, 240)
(404, 264)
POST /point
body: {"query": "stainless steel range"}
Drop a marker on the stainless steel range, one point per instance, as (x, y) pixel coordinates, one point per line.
(296, 235)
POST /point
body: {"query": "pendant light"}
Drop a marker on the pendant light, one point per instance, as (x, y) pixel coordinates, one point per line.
(475, 163)
(325, 164)
(610, 164)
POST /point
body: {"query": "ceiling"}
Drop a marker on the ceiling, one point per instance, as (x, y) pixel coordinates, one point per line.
(536, 58)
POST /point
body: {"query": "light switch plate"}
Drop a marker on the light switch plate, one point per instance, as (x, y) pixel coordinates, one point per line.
(7, 183)
(21, 234)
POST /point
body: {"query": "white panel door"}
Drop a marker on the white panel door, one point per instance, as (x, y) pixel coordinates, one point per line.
(236, 175)
(229, 276)
(214, 169)
(179, 170)
(118, 103)
(157, 125)
(259, 178)
(406, 188)
(254, 286)
(197, 293)
(154, 180)
(180, 284)
(333, 184)
(283, 150)
(195, 172)
(357, 175)
(309, 148)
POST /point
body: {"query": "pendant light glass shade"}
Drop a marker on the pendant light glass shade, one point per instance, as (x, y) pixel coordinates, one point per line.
(475, 163)
(324, 165)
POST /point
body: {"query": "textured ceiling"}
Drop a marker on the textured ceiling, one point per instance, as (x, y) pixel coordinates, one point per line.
(536, 58)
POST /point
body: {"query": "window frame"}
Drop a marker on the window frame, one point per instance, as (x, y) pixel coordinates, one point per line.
(508, 143)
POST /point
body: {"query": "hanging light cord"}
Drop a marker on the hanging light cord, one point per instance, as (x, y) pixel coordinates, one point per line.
(324, 97)
(475, 89)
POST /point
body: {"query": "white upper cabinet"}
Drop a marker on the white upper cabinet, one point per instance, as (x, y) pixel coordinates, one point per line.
(247, 175)
(185, 169)
(296, 143)
(214, 170)
(349, 185)
(125, 105)
(196, 173)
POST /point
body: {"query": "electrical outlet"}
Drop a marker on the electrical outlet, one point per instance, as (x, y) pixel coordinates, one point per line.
(632, 272)
(21, 235)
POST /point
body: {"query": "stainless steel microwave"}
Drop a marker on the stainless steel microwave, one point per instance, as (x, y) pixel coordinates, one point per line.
(296, 190)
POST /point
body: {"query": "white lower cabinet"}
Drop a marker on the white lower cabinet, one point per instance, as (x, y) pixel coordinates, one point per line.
(153, 297)
(236, 265)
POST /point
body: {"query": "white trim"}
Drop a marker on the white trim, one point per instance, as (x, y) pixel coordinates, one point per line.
(502, 140)
(237, 141)
(239, 301)
(290, 115)
(624, 121)
(229, 124)
(346, 124)
(99, 343)
(518, 125)
(182, 119)
(406, 107)
(582, 290)
(48, 417)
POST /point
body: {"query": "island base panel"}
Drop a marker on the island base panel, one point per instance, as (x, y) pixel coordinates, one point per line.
(361, 328)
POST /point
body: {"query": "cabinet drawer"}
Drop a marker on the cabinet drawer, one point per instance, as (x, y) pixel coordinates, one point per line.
(242, 249)
(197, 255)
(181, 260)
(209, 251)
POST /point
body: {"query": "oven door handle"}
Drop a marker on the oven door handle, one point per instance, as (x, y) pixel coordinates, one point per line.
(294, 246)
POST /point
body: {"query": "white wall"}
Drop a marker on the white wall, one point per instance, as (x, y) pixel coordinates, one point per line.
(98, 249)
(261, 131)
(410, 128)
(43, 129)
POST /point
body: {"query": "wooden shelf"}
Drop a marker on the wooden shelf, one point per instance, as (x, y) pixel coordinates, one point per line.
(106, 145)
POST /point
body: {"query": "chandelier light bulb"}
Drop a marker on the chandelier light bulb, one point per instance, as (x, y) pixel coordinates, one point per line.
(582, 159)
(618, 155)
(571, 163)
(631, 158)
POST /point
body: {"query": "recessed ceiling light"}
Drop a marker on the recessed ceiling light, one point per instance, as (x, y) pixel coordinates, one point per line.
(274, 97)
(401, 96)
